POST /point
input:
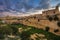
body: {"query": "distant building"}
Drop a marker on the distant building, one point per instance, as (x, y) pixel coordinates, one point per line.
(52, 11)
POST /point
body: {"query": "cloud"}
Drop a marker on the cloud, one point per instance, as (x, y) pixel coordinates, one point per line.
(35, 4)
(27, 4)
(56, 0)
(58, 4)
(43, 4)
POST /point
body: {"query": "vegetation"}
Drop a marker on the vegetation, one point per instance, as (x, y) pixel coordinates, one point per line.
(58, 23)
(0, 20)
(56, 18)
(14, 29)
(38, 20)
(5, 30)
(25, 34)
(56, 30)
(47, 28)
(1, 34)
(49, 18)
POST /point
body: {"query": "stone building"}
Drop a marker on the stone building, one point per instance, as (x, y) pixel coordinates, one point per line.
(52, 11)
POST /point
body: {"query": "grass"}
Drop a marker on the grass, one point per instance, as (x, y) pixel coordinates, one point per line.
(48, 35)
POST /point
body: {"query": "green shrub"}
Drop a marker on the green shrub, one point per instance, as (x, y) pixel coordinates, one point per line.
(47, 28)
(1, 36)
(49, 18)
(58, 23)
(0, 19)
(56, 18)
(25, 35)
(14, 30)
(56, 30)
(5, 30)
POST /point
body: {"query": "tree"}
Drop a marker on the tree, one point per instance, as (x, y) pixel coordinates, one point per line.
(49, 18)
(14, 30)
(58, 23)
(56, 30)
(0, 19)
(24, 35)
(1, 34)
(7, 30)
(38, 20)
(47, 28)
(56, 18)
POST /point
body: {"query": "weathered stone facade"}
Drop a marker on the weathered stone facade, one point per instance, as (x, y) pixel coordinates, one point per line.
(51, 11)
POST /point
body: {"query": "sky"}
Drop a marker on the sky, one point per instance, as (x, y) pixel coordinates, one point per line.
(18, 7)
(54, 2)
(36, 2)
(24, 5)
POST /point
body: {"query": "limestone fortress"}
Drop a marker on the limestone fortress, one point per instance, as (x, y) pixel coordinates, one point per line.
(52, 11)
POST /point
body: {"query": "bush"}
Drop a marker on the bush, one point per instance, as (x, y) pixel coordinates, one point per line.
(56, 30)
(5, 30)
(0, 19)
(38, 20)
(47, 28)
(58, 23)
(14, 30)
(15, 23)
(56, 18)
(49, 18)
(24, 35)
(1, 36)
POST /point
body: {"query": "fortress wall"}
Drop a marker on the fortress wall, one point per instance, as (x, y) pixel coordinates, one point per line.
(51, 12)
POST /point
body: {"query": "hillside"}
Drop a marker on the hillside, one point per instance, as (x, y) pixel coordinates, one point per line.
(17, 31)
(40, 21)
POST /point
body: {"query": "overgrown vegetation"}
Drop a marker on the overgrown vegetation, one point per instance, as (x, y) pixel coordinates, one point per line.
(56, 18)
(49, 18)
(53, 17)
(47, 28)
(56, 30)
(25, 35)
(58, 23)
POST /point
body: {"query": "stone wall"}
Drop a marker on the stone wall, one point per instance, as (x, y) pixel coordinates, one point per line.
(51, 12)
